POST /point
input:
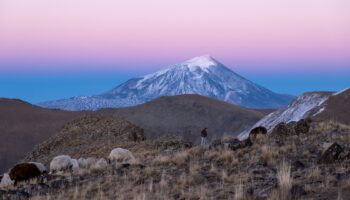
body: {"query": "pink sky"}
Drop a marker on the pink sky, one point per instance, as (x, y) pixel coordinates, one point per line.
(131, 34)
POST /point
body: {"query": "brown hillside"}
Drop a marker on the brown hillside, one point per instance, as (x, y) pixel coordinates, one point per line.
(23, 125)
(187, 115)
(337, 108)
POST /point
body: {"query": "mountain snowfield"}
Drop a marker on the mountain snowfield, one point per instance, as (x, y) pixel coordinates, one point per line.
(310, 104)
(202, 75)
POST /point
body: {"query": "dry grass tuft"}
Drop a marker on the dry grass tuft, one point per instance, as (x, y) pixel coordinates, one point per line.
(267, 154)
(313, 173)
(162, 160)
(225, 156)
(181, 157)
(239, 192)
(261, 139)
(327, 126)
(284, 180)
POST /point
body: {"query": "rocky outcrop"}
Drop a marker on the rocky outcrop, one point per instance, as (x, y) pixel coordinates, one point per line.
(257, 134)
(302, 126)
(281, 131)
(332, 154)
(284, 130)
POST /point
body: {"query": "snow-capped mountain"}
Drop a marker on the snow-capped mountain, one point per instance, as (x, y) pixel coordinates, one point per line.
(201, 75)
(308, 105)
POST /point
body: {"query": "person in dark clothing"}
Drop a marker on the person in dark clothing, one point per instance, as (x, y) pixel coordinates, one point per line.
(204, 135)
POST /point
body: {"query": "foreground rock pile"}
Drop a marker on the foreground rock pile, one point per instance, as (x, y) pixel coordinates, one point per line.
(299, 160)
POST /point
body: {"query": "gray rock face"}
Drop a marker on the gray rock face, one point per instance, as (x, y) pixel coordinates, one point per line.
(201, 75)
(305, 106)
(332, 154)
(302, 126)
(281, 132)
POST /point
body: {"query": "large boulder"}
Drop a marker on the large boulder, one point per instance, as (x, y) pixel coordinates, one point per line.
(256, 132)
(281, 131)
(302, 126)
(332, 154)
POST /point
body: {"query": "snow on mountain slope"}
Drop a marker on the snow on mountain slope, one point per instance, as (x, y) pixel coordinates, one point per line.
(307, 105)
(336, 108)
(341, 91)
(201, 75)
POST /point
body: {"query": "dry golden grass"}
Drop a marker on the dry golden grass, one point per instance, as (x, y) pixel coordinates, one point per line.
(274, 195)
(313, 173)
(224, 156)
(327, 126)
(197, 151)
(194, 168)
(239, 192)
(284, 180)
(261, 139)
(162, 160)
(287, 148)
(267, 154)
(181, 157)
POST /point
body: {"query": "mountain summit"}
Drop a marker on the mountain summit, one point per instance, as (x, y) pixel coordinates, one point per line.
(201, 75)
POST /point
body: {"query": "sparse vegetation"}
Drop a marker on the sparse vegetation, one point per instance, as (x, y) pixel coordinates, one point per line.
(263, 170)
(284, 180)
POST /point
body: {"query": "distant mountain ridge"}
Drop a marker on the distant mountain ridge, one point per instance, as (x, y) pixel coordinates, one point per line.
(202, 75)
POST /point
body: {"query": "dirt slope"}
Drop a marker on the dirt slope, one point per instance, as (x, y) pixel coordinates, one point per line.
(23, 125)
(337, 108)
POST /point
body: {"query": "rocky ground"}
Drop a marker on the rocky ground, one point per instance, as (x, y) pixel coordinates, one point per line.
(301, 160)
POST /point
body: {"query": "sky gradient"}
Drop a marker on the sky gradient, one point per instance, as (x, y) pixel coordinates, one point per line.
(84, 47)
